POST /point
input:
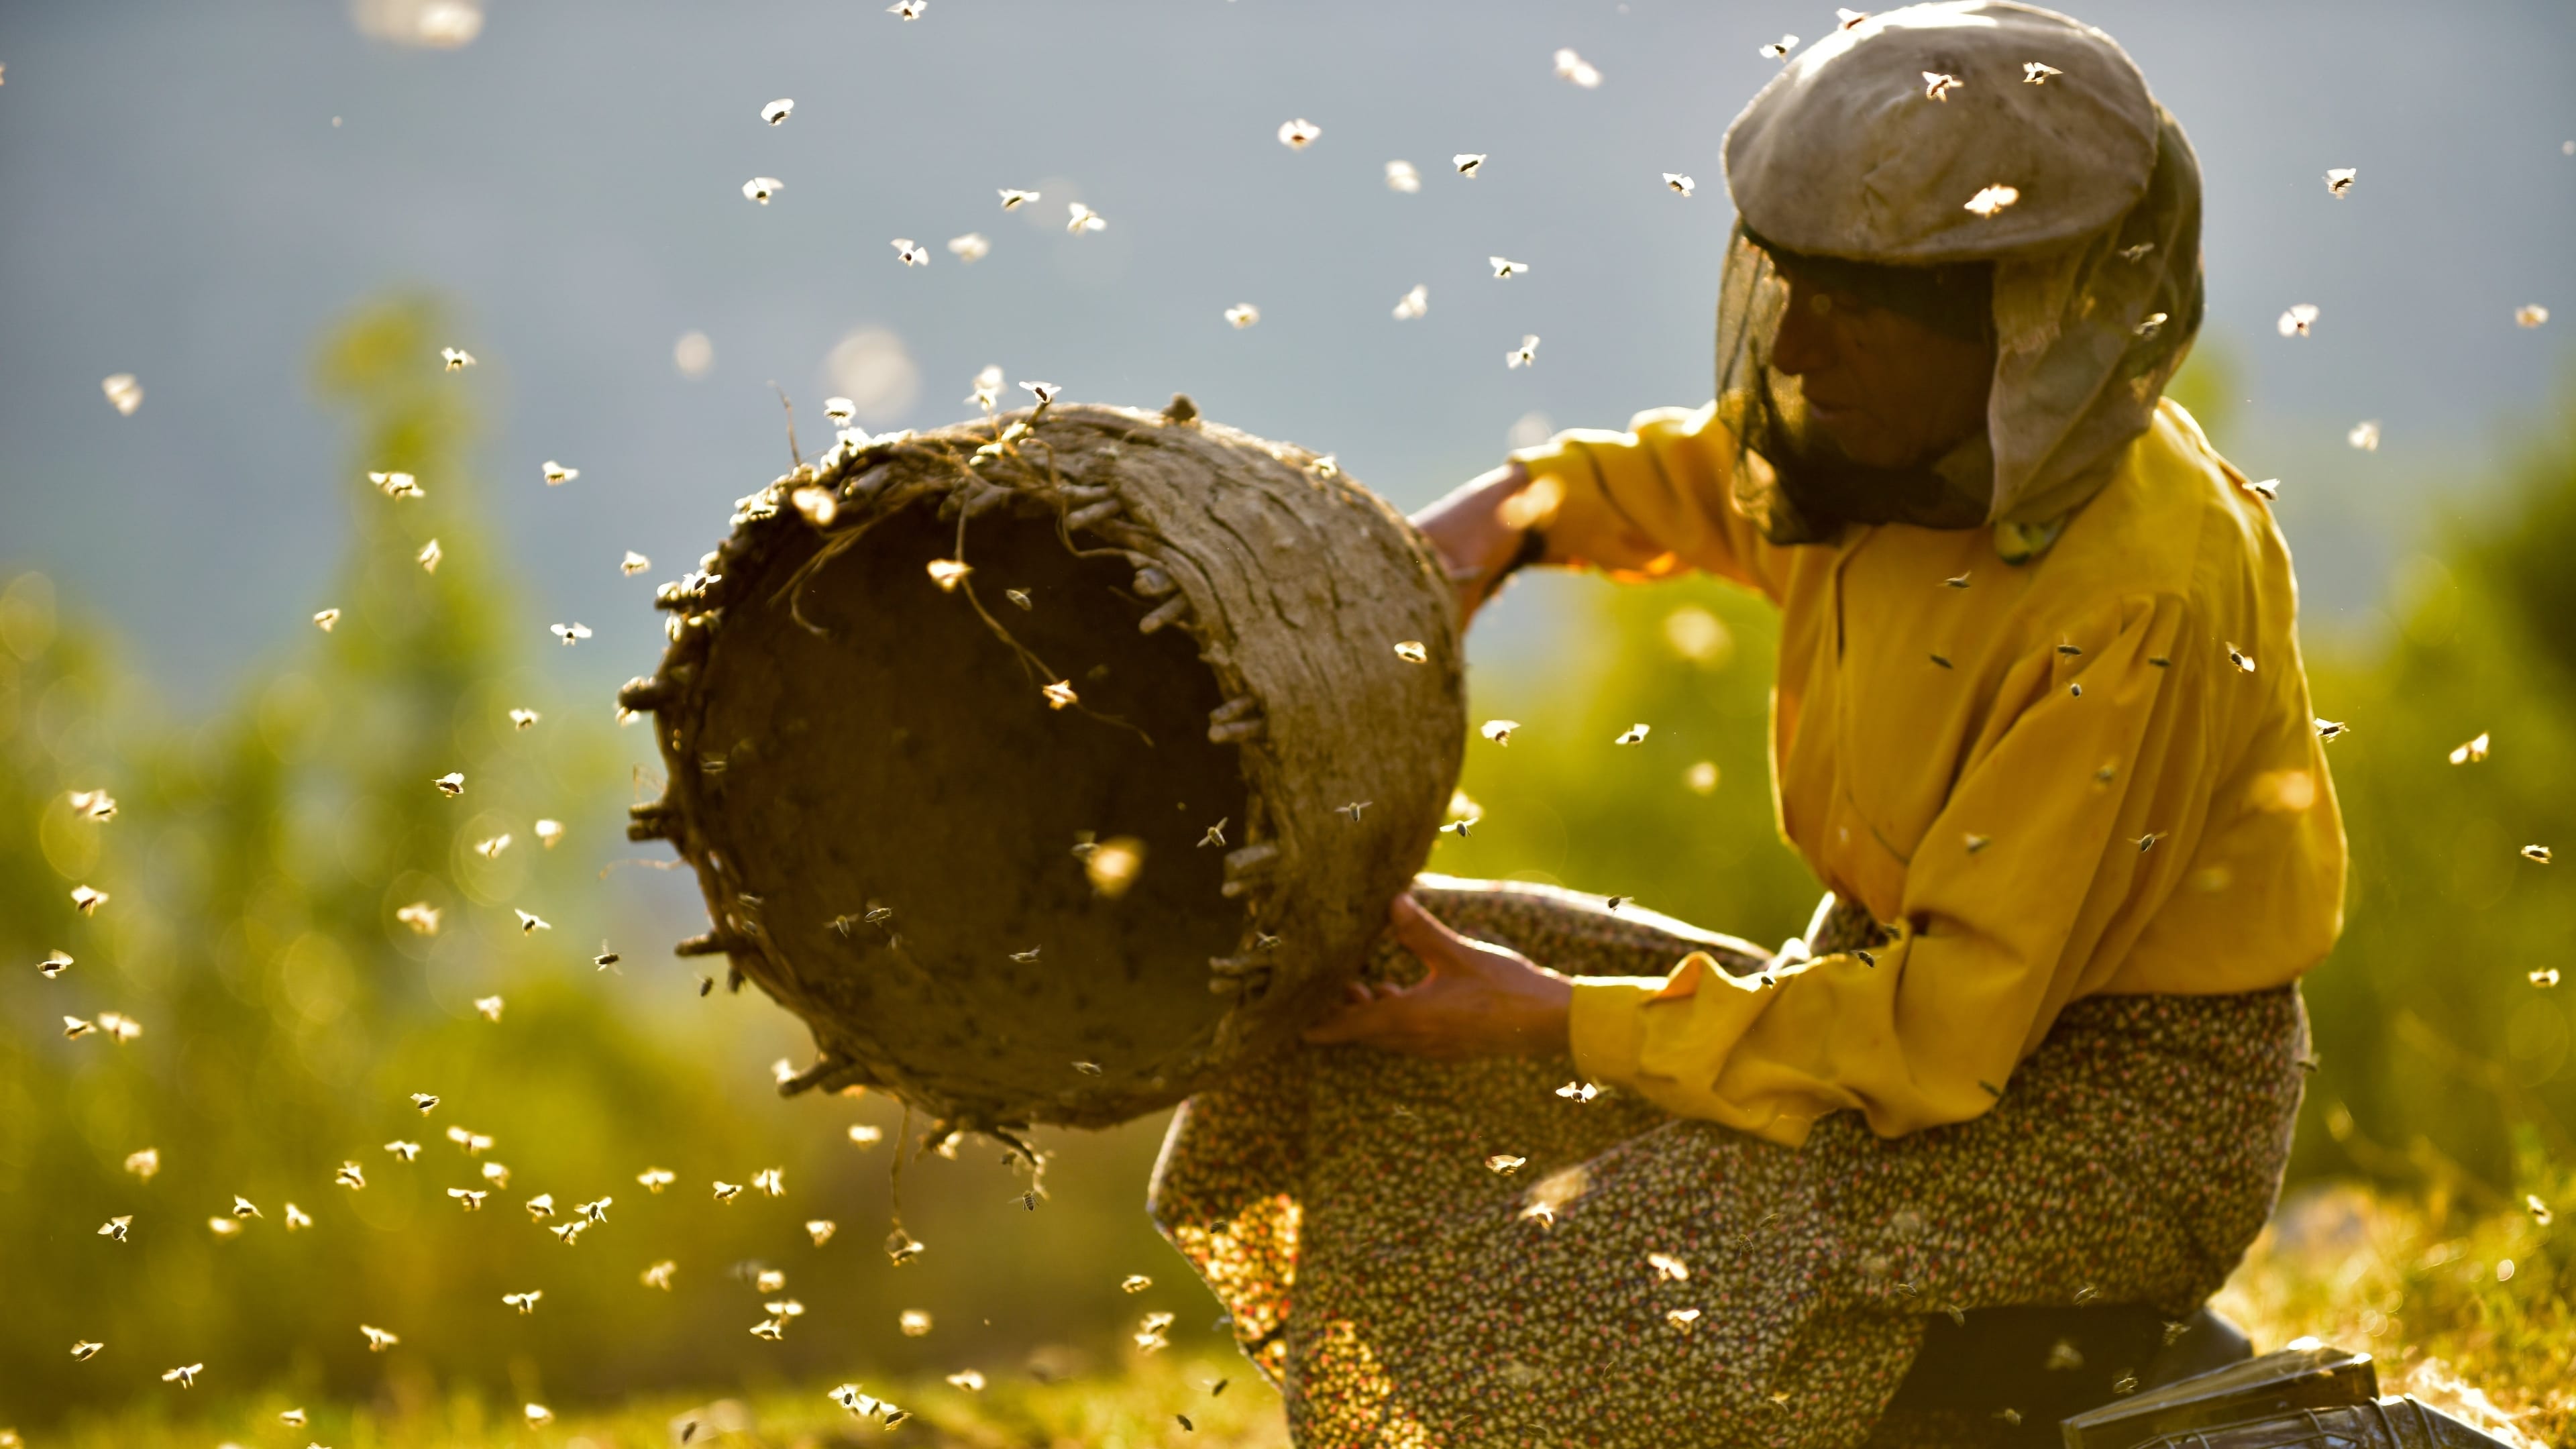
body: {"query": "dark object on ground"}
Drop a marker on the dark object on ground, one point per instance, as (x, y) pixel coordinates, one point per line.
(2044, 1363)
(2395, 1422)
(1057, 836)
(2053, 1376)
(2310, 1376)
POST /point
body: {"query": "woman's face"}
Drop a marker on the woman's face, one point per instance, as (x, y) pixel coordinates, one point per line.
(1888, 390)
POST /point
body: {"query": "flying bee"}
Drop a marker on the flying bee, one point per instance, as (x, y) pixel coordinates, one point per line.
(1525, 355)
(378, 1340)
(526, 1302)
(1990, 201)
(1468, 163)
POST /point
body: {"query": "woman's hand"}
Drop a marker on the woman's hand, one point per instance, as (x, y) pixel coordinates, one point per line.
(1478, 1000)
(1477, 534)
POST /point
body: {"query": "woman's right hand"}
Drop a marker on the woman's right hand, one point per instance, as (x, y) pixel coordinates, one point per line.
(1476, 534)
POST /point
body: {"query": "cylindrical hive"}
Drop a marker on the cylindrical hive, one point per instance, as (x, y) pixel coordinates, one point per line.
(1057, 838)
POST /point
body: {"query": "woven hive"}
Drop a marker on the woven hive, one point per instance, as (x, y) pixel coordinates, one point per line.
(899, 828)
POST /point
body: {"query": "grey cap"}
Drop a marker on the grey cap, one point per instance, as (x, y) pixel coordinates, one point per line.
(1847, 154)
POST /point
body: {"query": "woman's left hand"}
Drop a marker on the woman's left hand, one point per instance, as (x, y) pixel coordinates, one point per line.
(1475, 1000)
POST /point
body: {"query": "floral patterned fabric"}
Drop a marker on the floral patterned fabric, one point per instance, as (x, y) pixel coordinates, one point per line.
(1456, 1254)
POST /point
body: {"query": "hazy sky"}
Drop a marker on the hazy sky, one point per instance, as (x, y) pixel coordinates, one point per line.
(176, 201)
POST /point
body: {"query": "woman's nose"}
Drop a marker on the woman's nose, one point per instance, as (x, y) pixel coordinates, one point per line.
(1804, 341)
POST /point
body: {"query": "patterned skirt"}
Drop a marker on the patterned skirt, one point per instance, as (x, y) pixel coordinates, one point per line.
(1643, 1279)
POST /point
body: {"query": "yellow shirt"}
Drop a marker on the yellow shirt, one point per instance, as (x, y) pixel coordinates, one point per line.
(2097, 772)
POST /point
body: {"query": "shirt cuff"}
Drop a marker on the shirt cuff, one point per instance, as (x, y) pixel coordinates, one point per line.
(1606, 1021)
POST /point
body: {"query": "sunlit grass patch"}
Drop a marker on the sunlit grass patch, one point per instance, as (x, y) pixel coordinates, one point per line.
(1142, 1405)
(2441, 1300)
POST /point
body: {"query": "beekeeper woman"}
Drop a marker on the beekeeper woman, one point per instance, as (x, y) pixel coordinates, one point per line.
(2040, 728)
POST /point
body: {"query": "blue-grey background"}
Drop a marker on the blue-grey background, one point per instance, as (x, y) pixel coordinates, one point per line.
(176, 201)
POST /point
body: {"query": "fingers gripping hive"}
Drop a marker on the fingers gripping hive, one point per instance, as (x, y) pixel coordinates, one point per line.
(1015, 757)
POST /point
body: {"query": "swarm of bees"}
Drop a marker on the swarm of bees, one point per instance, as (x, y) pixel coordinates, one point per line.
(423, 919)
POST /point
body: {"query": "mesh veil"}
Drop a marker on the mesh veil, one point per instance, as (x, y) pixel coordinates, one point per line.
(2087, 335)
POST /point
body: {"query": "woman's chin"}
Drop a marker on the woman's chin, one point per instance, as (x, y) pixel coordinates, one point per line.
(1854, 435)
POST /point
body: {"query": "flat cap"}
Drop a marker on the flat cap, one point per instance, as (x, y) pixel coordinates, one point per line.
(1860, 149)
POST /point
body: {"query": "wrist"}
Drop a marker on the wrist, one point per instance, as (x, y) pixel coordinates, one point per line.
(1547, 1020)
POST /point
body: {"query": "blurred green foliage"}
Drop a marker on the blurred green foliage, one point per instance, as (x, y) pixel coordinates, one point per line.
(255, 868)
(260, 855)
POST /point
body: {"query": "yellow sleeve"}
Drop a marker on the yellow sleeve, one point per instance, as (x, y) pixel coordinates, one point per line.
(1650, 501)
(2030, 877)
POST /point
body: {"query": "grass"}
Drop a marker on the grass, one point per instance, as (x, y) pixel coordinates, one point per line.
(2422, 1286)
(2468, 1311)
(1136, 1408)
